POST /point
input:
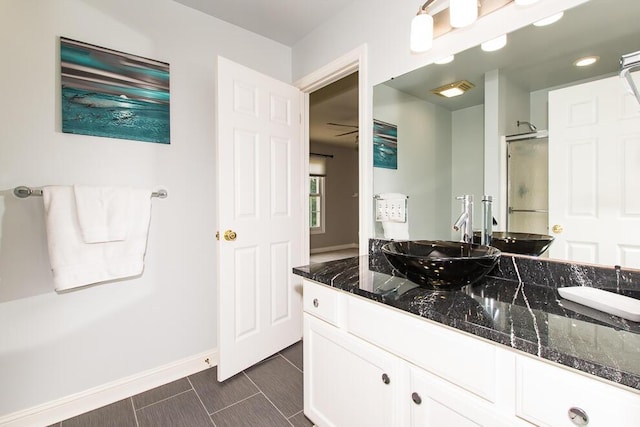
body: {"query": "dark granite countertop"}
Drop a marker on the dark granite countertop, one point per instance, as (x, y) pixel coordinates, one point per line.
(527, 317)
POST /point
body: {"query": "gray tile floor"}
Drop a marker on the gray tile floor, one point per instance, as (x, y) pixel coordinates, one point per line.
(267, 394)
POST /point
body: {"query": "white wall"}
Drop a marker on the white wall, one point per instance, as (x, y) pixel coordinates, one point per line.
(53, 345)
(467, 167)
(341, 207)
(424, 161)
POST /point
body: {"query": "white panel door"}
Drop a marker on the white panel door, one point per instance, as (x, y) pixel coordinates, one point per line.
(260, 187)
(594, 173)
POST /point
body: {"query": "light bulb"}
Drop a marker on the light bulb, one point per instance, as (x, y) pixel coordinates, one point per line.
(421, 32)
(463, 12)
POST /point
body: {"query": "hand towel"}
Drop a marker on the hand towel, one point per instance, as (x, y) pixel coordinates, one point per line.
(75, 263)
(102, 212)
(393, 214)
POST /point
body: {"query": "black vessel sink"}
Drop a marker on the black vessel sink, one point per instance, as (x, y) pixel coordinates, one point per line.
(518, 243)
(441, 264)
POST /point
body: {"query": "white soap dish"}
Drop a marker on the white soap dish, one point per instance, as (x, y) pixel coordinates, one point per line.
(609, 302)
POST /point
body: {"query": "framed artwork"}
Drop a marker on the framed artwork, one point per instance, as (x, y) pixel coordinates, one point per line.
(113, 94)
(385, 145)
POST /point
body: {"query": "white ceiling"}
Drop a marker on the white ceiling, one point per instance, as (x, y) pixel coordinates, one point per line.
(285, 21)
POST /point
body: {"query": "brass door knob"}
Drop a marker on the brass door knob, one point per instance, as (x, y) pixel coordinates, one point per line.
(557, 229)
(230, 235)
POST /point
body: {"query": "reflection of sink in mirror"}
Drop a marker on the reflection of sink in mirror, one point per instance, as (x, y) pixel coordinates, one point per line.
(518, 243)
(453, 146)
(441, 264)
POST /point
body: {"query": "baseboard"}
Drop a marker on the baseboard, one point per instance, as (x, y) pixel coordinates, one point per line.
(88, 400)
(334, 248)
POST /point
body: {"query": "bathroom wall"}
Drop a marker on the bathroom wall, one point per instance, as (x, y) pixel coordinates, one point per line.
(467, 168)
(341, 207)
(424, 161)
(53, 345)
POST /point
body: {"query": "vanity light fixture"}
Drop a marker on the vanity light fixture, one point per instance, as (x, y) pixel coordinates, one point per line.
(422, 31)
(444, 60)
(549, 20)
(586, 61)
(438, 17)
(453, 89)
(494, 44)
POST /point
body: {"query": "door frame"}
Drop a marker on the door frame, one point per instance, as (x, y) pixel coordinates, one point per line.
(355, 60)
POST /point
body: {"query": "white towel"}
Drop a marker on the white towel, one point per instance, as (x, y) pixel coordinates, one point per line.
(395, 222)
(103, 212)
(75, 263)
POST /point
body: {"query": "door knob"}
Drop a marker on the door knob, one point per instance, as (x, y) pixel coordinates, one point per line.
(230, 235)
(557, 229)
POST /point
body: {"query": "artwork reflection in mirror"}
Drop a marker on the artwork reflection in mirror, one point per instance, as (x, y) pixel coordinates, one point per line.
(583, 186)
(385, 145)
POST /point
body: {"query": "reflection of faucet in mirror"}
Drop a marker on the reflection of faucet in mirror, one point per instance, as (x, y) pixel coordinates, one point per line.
(532, 127)
(464, 223)
(487, 220)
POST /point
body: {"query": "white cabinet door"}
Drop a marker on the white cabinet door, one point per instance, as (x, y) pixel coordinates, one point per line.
(435, 402)
(347, 382)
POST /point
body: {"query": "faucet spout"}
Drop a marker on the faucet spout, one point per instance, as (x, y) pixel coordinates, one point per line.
(464, 223)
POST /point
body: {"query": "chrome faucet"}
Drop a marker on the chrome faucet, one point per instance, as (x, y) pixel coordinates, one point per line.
(487, 220)
(464, 223)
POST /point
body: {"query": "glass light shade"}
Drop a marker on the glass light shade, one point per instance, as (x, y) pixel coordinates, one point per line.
(494, 44)
(421, 32)
(445, 60)
(463, 12)
(549, 20)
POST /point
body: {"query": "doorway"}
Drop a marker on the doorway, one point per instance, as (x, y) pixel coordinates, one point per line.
(352, 62)
(334, 170)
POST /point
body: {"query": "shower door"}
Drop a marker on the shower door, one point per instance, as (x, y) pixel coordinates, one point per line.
(528, 185)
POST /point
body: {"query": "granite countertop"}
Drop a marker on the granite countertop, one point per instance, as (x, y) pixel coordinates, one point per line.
(527, 317)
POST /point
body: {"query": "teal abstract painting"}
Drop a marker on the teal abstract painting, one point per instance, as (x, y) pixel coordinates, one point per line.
(385, 145)
(113, 94)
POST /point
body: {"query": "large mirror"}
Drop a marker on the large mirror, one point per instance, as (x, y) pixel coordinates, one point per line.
(557, 146)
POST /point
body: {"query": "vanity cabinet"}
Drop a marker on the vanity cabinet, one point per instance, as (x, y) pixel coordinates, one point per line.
(370, 364)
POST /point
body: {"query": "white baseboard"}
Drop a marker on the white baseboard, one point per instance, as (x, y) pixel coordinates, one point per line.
(88, 400)
(334, 248)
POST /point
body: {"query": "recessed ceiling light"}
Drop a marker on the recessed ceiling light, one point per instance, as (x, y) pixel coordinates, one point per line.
(549, 20)
(495, 44)
(453, 89)
(445, 60)
(586, 61)
(525, 2)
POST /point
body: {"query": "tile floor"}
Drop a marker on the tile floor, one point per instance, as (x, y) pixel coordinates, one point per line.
(265, 395)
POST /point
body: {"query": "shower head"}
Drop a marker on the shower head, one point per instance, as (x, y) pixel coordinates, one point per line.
(532, 128)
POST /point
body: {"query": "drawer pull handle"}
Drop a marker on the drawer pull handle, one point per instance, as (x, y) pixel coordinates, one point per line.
(315, 302)
(416, 398)
(578, 416)
(386, 379)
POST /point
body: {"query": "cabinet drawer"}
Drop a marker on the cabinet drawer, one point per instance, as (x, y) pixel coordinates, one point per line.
(545, 394)
(463, 360)
(322, 302)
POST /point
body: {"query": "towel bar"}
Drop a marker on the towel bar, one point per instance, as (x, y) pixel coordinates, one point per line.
(24, 192)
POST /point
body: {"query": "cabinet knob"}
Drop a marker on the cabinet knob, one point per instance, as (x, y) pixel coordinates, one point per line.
(416, 398)
(578, 416)
(386, 379)
(316, 303)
